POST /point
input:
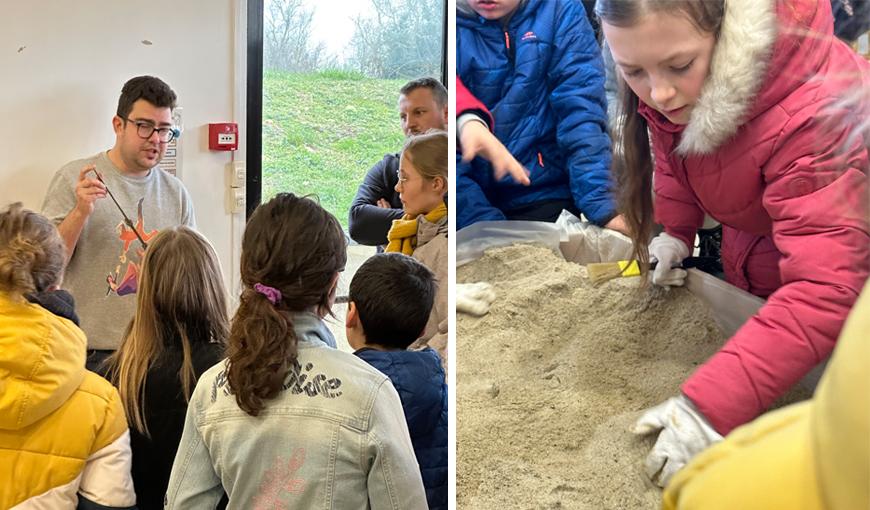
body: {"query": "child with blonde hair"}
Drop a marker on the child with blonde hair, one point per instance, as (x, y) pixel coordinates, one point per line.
(63, 435)
(422, 231)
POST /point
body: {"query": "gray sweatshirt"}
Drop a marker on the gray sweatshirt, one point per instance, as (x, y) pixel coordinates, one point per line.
(103, 271)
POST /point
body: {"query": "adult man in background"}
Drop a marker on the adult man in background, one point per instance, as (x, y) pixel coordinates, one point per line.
(422, 106)
(106, 239)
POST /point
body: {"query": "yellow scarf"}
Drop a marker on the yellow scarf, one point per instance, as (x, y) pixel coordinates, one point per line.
(402, 236)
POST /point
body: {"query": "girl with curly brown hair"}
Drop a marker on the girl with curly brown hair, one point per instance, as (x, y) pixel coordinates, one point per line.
(289, 421)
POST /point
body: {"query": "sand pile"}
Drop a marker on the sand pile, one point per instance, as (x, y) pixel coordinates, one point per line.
(550, 380)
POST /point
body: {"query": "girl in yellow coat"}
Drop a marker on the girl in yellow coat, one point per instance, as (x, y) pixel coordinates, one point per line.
(63, 435)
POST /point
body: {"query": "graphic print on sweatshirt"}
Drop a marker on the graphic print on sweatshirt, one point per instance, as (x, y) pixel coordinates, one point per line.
(129, 282)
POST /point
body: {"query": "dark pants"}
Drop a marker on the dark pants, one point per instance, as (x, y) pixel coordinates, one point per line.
(95, 361)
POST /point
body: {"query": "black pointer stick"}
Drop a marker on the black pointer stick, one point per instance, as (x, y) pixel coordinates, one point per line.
(126, 219)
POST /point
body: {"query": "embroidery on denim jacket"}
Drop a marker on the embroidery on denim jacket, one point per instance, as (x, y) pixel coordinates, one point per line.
(299, 382)
(220, 381)
(281, 479)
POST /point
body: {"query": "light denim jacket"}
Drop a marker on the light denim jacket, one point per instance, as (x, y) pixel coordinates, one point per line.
(335, 438)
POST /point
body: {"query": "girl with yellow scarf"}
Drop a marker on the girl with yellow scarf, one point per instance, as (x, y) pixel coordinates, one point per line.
(422, 230)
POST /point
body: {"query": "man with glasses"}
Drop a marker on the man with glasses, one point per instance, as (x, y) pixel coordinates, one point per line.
(106, 239)
(422, 106)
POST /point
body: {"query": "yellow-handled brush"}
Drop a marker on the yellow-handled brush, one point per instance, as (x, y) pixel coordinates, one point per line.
(600, 272)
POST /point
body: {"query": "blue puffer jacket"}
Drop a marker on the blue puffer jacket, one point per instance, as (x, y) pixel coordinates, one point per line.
(543, 80)
(419, 379)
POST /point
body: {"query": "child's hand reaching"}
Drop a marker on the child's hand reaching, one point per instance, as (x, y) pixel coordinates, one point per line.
(476, 140)
(618, 224)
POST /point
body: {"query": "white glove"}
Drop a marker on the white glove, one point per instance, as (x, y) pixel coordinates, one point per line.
(669, 252)
(684, 433)
(474, 298)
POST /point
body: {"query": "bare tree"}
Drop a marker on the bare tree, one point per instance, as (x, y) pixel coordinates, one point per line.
(400, 39)
(287, 34)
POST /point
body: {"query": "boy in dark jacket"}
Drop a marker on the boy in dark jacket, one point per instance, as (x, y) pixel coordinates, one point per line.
(537, 67)
(390, 298)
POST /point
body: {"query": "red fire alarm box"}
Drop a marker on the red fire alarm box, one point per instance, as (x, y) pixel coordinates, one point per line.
(223, 136)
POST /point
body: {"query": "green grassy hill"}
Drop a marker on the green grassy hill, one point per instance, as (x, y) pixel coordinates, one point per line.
(322, 132)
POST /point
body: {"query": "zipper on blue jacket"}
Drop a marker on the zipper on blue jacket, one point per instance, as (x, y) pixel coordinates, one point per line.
(511, 51)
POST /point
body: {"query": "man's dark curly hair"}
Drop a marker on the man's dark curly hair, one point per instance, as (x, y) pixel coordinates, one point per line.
(154, 90)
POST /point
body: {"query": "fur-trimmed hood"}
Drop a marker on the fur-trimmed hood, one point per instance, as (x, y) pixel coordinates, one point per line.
(765, 50)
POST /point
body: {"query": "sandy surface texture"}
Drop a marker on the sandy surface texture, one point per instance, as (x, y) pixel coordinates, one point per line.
(550, 380)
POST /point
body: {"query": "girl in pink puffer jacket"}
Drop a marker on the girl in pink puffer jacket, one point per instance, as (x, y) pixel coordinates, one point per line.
(741, 101)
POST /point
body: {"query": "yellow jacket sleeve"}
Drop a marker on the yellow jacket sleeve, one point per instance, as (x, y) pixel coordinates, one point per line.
(812, 455)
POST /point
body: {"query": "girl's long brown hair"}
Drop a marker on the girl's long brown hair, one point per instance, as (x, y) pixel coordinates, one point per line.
(180, 301)
(297, 247)
(633, 164)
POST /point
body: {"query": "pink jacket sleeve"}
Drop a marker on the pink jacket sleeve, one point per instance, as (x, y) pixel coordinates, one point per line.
(817, 198)
(675, 206)
(467, 103)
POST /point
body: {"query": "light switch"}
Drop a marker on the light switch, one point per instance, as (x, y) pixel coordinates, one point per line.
(239, 175)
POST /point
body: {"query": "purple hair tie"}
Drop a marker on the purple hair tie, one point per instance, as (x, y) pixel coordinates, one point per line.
(271, 293)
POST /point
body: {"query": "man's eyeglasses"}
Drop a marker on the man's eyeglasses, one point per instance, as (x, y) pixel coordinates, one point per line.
(146, 129)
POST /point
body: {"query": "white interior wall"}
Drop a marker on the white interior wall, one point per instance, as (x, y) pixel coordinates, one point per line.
(63, 65)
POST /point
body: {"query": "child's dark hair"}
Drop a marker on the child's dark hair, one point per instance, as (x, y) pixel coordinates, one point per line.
(32, 253)
(295, 246)
(393, 294)
(152, 89)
